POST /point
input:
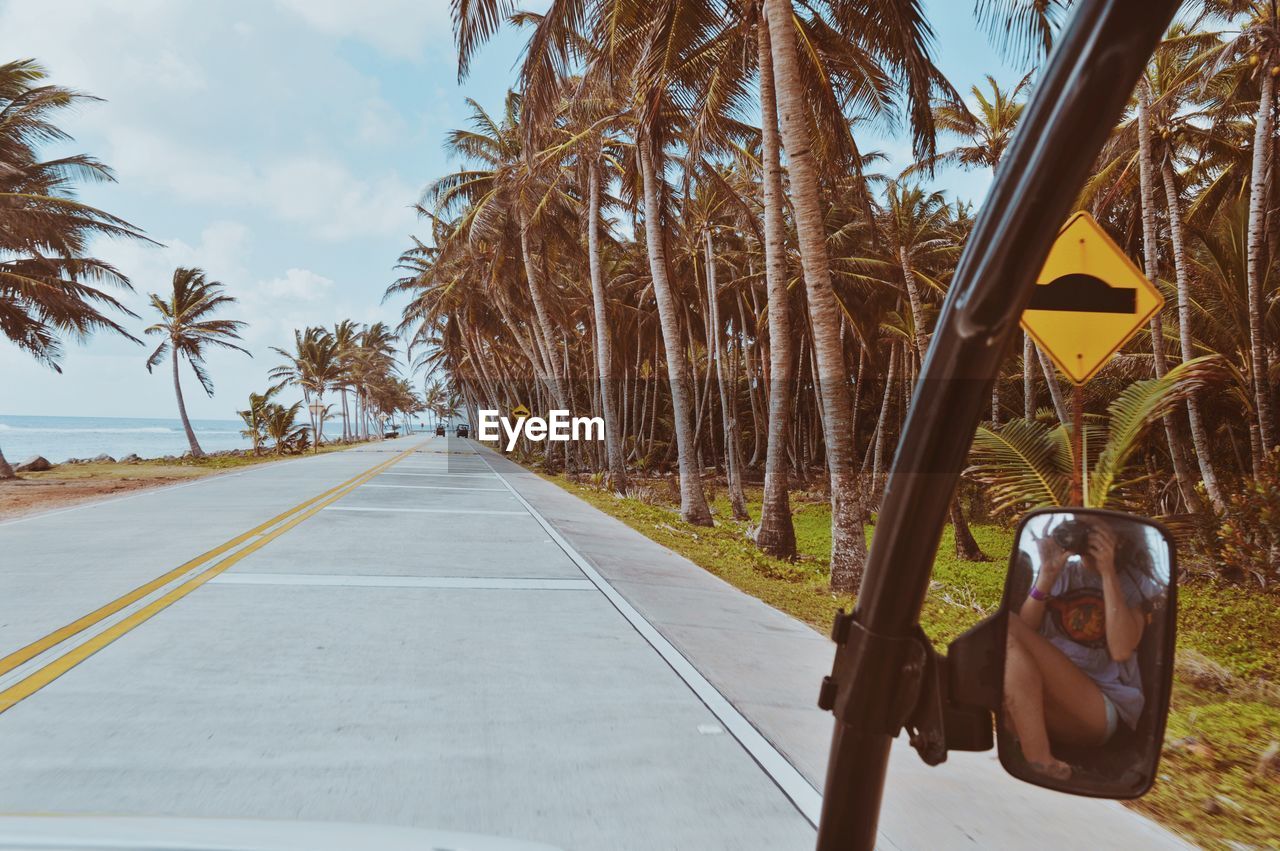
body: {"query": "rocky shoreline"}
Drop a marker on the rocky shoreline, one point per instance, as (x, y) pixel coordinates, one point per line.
(39, 464)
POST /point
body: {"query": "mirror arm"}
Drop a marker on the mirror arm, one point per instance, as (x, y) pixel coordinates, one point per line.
(959, 692)
(944, 702)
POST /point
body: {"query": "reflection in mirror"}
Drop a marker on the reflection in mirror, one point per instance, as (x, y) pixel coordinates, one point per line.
(1088, 652)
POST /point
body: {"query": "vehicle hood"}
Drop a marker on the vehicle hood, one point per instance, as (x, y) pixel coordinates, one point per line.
(110, 833)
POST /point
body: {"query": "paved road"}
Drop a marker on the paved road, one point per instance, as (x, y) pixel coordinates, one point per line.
(422, 634)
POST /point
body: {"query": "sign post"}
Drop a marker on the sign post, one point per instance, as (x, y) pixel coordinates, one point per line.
(1089, 300)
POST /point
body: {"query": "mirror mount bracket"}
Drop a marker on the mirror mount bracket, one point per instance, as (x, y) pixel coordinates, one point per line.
(875, 681)
(944, 702)
(959, 692)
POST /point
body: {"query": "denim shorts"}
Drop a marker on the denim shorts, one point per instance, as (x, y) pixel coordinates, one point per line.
(1113, 718)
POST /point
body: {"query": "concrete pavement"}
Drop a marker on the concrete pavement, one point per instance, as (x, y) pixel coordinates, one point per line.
(404, 655)
(441, 639)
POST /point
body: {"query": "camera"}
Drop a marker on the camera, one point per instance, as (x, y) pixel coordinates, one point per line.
(1072, 536)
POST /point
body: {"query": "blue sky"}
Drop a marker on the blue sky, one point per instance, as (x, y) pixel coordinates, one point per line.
(279, 145)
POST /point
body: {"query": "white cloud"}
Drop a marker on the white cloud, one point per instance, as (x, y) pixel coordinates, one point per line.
(317, 192)
(324, 195)
(399, 28)
(298, 285)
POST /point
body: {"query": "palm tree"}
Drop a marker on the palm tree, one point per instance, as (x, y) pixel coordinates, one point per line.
(986, 135)
(255, 417)
(1254, 55)
(346, 338)
(188, 330)
(313, 365)
(905, 50)
(776, 534)
(281, 426)
(49, 284)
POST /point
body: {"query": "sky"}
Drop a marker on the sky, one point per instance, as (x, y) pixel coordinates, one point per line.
(280, 145)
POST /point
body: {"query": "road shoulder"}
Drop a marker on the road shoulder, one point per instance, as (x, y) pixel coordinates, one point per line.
(768, 665)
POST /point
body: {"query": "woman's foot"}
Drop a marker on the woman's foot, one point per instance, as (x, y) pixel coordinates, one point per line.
(1054, 768)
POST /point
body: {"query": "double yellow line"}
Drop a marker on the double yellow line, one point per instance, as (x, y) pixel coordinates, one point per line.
(277, 526)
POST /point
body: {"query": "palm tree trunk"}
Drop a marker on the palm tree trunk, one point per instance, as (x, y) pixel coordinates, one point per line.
(196, 451)
(604, 353)
(1028, 377)
(750, 367)
(543, 329)
(1258, 365)
(848, 538)
(728, 416)
(777, 534)
(1146, 180)
(1199, 437)
(693, 500)
(917, 307)
(1051, 381)
(967, 546)
(882, 422)
(6, 471)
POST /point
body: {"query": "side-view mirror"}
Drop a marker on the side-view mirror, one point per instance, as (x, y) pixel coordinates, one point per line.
(1089, 604)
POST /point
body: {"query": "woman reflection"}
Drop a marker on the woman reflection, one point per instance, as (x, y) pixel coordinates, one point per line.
(1071, 676)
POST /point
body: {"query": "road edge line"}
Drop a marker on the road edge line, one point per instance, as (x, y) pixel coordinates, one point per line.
(798, 790)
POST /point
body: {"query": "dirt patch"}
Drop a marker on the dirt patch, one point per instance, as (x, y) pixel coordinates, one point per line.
(36, 493)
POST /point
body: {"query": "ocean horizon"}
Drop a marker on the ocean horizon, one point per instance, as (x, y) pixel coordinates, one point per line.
(61, 438)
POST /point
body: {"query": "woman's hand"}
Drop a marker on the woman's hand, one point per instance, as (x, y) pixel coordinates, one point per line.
(1102, 549)
(1053, 559)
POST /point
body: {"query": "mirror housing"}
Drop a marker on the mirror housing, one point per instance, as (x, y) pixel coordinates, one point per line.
(1089, 608)
(1086, 747)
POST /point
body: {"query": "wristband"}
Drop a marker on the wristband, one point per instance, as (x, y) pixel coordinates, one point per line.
(1037, 594)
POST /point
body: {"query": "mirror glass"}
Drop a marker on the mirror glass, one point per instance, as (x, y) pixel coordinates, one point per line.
(1090, 603)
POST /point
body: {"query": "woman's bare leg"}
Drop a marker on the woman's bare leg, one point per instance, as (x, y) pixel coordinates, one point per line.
(1074, 710)
(1024, 701)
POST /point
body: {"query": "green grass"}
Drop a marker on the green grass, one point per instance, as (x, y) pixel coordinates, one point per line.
(1222, 718)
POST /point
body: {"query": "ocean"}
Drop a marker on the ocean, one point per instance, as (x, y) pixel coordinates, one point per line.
(60, 438)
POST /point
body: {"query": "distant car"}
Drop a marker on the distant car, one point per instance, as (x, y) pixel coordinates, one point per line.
(463, 430)
(440, 431)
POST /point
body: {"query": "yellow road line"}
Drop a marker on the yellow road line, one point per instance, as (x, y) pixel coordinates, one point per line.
(42, 677)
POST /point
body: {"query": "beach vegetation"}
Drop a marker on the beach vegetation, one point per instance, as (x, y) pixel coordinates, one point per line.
(188, 330)
(52, 288)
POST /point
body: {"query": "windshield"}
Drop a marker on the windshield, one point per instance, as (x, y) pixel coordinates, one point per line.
(470, 417)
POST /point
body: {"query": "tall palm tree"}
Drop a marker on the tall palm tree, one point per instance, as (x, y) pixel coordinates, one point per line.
(1253, 55)
(188, 329)
(903, 47)
(49, 284)
(346, 338)
(985, 133)
(777, 534)
(313, 366)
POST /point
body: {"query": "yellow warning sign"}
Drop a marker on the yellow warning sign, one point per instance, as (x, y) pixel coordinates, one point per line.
(519, 412)
(1089, 300)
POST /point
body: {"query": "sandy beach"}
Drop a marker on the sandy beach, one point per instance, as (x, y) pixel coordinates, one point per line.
(67, 485)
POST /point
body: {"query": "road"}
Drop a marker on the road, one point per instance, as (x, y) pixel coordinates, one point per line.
(420, 633)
